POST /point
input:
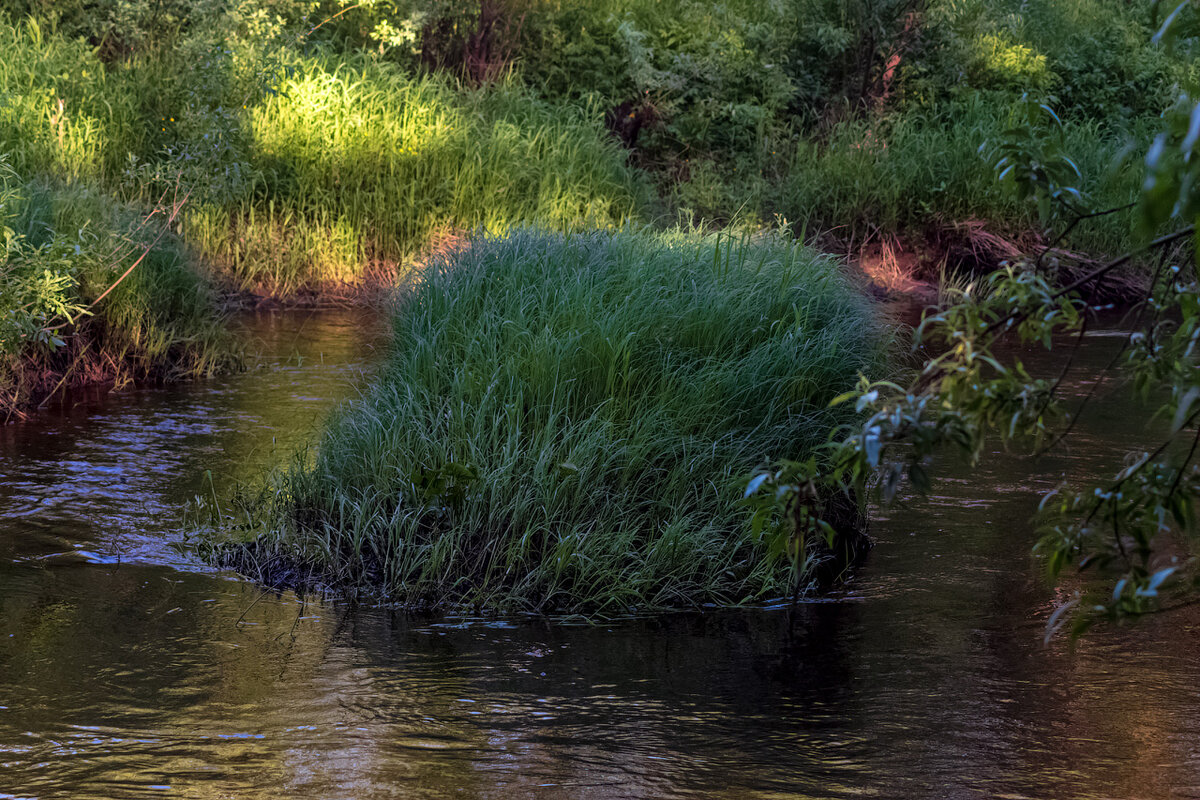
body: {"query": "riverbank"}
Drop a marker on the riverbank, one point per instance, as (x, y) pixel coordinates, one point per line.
(567, 423)
(305, 169)
(323, 151)
(95, 293)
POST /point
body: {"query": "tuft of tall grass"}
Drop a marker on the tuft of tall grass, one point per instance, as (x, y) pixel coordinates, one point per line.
(62, 113)
(566, 422)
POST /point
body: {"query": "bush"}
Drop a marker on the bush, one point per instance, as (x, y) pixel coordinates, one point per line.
(566, 422)
(711, 75)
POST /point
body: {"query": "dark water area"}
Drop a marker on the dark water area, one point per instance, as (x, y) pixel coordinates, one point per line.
(128, 670)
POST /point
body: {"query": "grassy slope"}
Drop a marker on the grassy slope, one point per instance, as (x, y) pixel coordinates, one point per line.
(355, 161)
(566, 422)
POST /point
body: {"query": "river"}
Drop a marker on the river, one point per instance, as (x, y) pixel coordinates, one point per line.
(128, 670)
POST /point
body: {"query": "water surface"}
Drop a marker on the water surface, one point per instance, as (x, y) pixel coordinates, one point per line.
(127, 670)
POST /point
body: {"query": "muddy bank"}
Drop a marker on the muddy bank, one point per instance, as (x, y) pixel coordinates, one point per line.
(922, 267)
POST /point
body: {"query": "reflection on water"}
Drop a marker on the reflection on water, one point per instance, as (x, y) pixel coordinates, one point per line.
(127, 671)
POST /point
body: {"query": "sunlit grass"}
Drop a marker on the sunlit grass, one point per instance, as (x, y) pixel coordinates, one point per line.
(358, 163)
(348, 162)
(61, 112)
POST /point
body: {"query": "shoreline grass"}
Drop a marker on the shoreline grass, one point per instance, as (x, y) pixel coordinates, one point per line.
(565, 422)
(75, 317)
(923, 172)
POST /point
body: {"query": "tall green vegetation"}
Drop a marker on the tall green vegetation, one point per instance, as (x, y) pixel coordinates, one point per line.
(926, 171)
(64, 115)
(324, 139)
(355, 161)
(850, 119)
(74, 313)
(304, 169)
(566, 422)
(856, 119)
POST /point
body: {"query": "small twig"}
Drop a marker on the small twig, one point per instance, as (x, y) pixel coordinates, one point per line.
(241, 620)
(1066, 367)
(1141, 308)
(66, 375)
(146, 251)
(335, 16)
(1134, 470)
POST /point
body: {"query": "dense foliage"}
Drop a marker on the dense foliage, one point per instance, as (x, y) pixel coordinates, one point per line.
(91, 291)
(851, 121)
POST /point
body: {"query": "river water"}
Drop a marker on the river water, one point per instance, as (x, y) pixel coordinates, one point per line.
(127, 670)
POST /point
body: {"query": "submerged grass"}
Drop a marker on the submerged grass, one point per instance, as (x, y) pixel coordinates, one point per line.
(566, 422)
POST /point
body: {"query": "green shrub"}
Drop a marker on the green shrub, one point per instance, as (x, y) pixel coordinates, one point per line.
(566, 422)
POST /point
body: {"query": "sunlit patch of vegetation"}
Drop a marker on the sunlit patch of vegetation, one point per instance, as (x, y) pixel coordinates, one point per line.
(1005, 63)
(306, 170)
(356, 162)
(566, 422)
